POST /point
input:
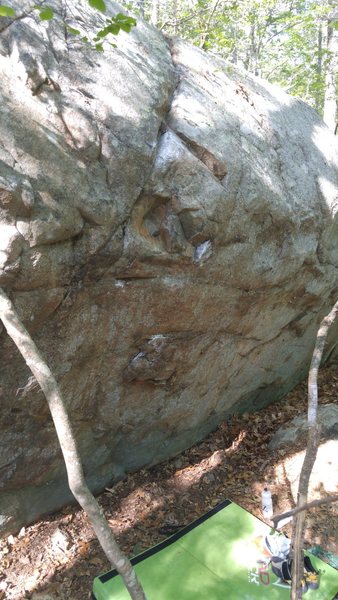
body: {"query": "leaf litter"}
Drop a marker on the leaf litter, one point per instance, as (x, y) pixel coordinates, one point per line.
(57, 557)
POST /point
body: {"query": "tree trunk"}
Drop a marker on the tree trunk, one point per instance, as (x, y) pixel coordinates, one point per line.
(76, 480)
(205, 34)
(299, 520)
(139, 5)
(174, 16)
(154, 17)
(318, 99)
(310, 456)
(330, 100)
(253, 68)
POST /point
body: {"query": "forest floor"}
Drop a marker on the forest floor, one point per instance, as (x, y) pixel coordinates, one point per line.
(58, 556)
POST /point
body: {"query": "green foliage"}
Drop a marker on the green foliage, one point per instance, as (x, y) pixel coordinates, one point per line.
(284, 41)
(72, 30)
(114, 25)
(98, 4)
(45, 12)
(275, 39)
(6, 11)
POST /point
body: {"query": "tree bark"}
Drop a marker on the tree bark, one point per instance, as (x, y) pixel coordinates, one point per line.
(299, 521)
(330, 100)
(76, 480)
(318, 98)
(154, 16)
(310, 455)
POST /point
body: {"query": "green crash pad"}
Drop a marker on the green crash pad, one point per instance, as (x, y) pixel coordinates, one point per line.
(221, 556)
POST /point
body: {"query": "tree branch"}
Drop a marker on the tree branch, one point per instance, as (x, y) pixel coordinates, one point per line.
(174, 23)
(13, 20)
(294, 511)
(77, 483)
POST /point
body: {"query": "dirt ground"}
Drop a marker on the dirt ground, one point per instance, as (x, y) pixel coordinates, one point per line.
(58, 556)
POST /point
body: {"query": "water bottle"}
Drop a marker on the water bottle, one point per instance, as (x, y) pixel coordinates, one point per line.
(267, 508)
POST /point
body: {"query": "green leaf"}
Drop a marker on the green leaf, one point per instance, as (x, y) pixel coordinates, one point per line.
(101, 34)
(84, 39)
(99, 47)
(73, 31)
(45, 13)
(125, 27)
(112, 28)
(125, 19)
(98, 4)
(7, 11)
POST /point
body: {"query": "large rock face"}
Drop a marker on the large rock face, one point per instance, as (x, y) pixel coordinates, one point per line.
(168, 238)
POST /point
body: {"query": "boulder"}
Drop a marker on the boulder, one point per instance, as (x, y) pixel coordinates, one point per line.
(327, 417)
(168, 235)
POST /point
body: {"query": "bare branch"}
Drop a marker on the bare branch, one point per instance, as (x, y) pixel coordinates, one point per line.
(10, 22)
(294, 511)
(192, 15)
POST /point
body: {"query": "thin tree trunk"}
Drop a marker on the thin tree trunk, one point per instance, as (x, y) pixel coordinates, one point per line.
(253, 50)
(140, 6)
(318, 99)
(299, 520)
(174, 13)
(330, 100)
(154, 17)
(205, 34)
(76, 480)
(310, 455)
(250, 63)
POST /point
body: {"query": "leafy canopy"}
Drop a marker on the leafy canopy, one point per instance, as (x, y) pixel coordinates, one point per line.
(283, 41)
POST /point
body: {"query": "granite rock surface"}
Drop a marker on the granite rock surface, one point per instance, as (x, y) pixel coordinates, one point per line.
(168, 234)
